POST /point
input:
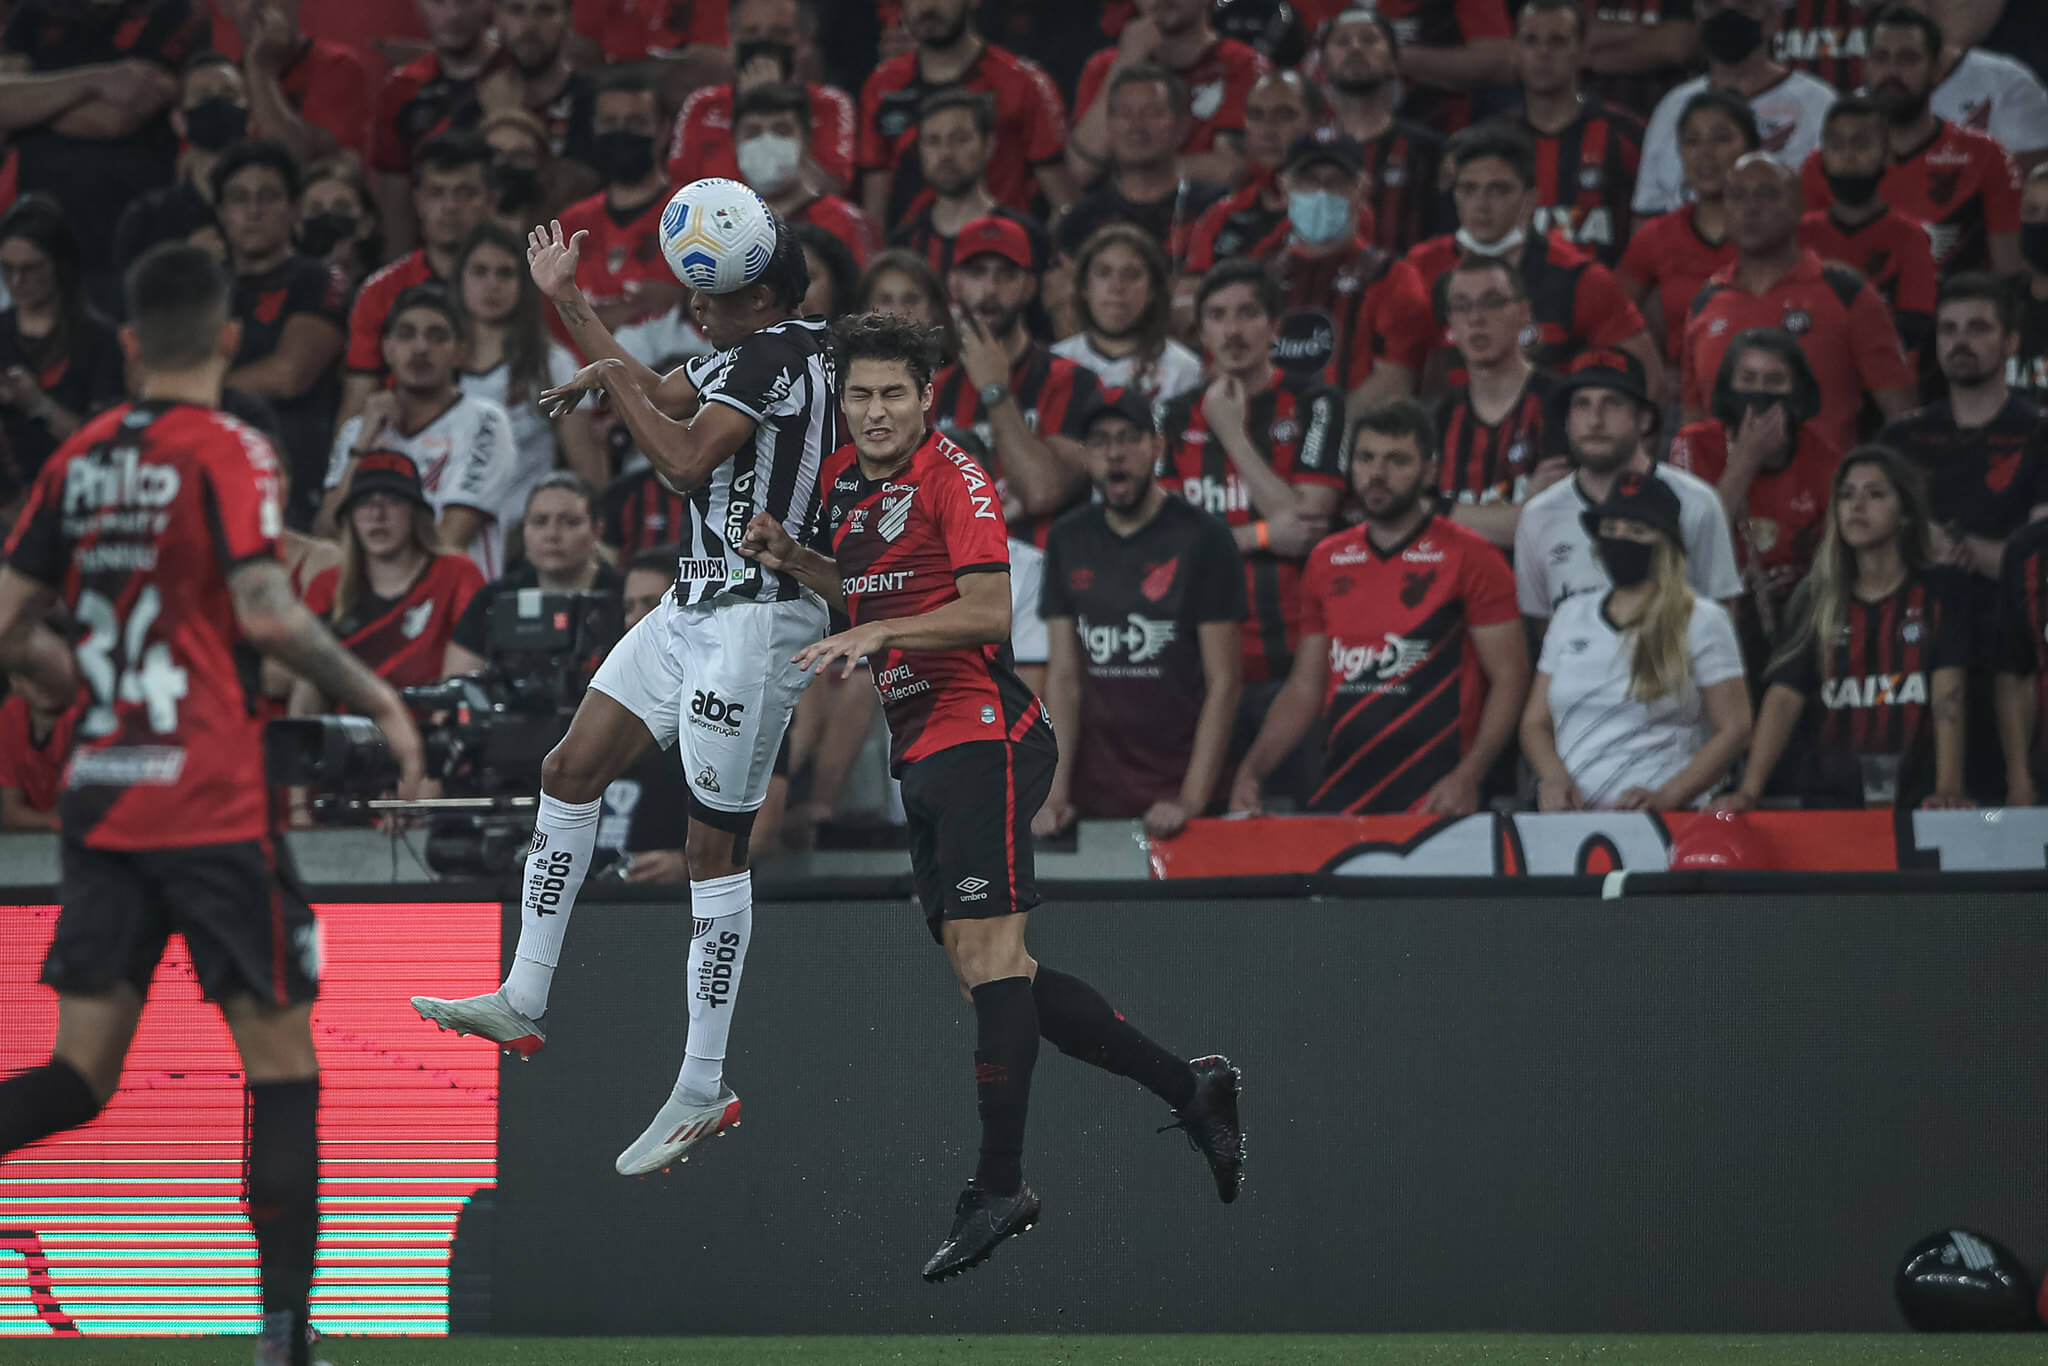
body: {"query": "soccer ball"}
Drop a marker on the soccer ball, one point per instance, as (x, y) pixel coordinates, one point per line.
(718, 235)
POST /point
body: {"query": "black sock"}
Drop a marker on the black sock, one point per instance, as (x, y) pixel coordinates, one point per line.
(43, 1101)
(281, 1186)
(1006, 1046)
(1076, 1020)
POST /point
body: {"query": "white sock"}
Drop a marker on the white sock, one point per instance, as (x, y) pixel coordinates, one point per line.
(564, 836)
(724, 911)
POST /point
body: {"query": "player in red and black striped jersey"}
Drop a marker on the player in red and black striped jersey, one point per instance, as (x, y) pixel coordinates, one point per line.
(920, 566)
(1858, 229)
(1587, 151)
(1961, 184)
(1261, 452)
(1500, 442)
(1412, 650)
(1360, 64)
(1021, 401)
(156, 526)
(1888, 688)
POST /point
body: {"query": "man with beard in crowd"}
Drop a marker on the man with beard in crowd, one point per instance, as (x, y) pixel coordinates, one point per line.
(625, 276)
(539, 78)
(955, 139)
(1361, 57)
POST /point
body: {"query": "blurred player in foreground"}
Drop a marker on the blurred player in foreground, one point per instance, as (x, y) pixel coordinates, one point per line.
(156, 525)
(920, 565)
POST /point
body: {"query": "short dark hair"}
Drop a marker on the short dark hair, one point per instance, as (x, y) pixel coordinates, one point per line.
(1518, 288)
(1851, 107)
(1311, 92)
(263, 152)
(777, 97)
(884, 336)
(1402, 417)
(1242, 270)
(1570, 7)
(1372, 16)
(625, 80)
(451, 151)
(837, 258)
(979, 105)
(1730, 106)
(1483, 141)
(567, 481)
(432, 296)
(788, 276)
(177, 302)
(1150, 73)
(655, 559)
(1981, 284)
(1905, 16)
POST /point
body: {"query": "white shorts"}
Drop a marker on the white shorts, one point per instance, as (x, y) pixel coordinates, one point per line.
(1028, 642)
(717, 682)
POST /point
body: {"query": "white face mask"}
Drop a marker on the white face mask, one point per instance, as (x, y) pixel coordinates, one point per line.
(1472, 247)
(769, 162)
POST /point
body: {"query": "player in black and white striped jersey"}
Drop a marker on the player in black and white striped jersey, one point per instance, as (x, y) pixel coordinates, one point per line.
(739, 434)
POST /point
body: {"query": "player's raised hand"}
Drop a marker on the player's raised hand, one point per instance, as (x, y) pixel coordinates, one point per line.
(561, 400)
(767, 542)
(553, 260)
(846, 649)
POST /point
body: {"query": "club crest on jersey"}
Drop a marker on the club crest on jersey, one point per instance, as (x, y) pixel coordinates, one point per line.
(1285, 431)
(615, 260)
(1589, 177)
(1081, 580)
(1158, 581)
(895, 515)
(1798, 322)
(415, 620)
(1206, 99)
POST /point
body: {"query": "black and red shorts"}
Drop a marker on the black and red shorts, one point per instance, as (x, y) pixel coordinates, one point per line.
(969, 810)
(247, 927)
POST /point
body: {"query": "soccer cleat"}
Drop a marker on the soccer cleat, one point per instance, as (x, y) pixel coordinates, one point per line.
(273, 1341)
(679, 1126)
(1210, 1121)
(488, 1017)
(981, 1219)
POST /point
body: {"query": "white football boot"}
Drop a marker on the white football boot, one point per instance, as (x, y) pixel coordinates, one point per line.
(487, 1017)
(679, 1126)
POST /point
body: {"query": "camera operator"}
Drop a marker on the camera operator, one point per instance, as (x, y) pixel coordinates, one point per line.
(560, 528)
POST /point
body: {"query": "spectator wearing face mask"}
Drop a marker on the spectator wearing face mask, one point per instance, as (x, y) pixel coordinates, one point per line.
(1639, 702)
(212, 114)
(1858, 229)
(1870, 670)
(623, 273)
(1281, 107)
(770, 126)
(1121, 298)
(764, 37)
(528, 183)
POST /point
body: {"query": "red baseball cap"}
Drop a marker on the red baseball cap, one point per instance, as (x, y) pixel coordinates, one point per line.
(994, 236)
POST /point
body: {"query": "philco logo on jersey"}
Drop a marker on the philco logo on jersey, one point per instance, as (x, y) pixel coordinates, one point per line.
(1217, 497)
(1874, 690)
(1143, 639)
(118, 478)
(1377, 663)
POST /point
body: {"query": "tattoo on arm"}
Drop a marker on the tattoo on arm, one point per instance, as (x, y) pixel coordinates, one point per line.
(303, 645)
(572, 310)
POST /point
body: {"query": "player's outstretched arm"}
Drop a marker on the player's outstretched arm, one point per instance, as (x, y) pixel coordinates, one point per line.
(279, 625)
(769, 543)
(979, 616)
(28, 647)
(685, 454)
(553, 260)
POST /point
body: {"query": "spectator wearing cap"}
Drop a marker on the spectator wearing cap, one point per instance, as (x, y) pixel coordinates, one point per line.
(1024, 404)
(771, 126)
(1123, 300)
(1356, 316)
(396, 595)
(1639, 702)
(1361, 57)
(1211, 75)
(211, 115)
(448, 201)
(2028, 370)
(559, 536)
(1865, 693)
(463, 446)
(1587, 150)
(766, 37)
(1411, 652)
(1252, 221)
(1607, 416)
(1575, 302)
(1765, 453)
(1142, 183)
(1840, 320)
(956, 137)
(1142, 597)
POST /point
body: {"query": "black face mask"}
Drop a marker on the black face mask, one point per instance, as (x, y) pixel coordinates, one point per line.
(1730, 36)
(2034, 245)
(213, 124)
(1853, 190)
(1628, 562)
(1747, 403)
(323, 232)
(622, 158)
(515, 186)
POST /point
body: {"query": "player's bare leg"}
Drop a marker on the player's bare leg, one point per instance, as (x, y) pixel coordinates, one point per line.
(281, 1172)
(701, 1105)
(603, 740)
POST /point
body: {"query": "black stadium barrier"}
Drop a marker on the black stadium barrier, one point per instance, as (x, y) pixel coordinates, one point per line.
(1730, 1110)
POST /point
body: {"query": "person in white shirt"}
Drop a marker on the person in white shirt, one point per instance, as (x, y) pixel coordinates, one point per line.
(463, 446)
(511, 359)
(1123, 296)
(1606, 416)
(1789, 105)
(1640, 702)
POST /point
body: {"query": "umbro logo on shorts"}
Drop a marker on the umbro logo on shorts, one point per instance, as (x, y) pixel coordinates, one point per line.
(972, 888)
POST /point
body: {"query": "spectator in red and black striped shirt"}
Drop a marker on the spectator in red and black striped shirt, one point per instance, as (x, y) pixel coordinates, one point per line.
(1587, 151)
(1361, 57)
(1281, 107)
(956, 137)
(1499, 443)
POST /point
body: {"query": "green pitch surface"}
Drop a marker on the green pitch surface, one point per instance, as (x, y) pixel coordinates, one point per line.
(1455, 1349)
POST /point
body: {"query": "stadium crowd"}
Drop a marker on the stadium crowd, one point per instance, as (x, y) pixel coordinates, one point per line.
(1421, 407)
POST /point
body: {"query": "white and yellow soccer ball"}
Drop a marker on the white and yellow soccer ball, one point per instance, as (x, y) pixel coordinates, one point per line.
(718, 235)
